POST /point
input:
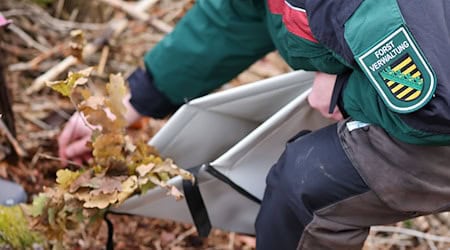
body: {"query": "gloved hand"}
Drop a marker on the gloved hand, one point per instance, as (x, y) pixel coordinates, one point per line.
(72, 141)
(76, 133)
(320, 95)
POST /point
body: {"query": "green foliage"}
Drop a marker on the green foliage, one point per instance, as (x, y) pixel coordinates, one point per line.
(408, 224)
(39, 204)
(14, 230)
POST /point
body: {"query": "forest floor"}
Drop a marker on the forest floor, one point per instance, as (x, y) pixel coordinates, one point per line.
(39, 39)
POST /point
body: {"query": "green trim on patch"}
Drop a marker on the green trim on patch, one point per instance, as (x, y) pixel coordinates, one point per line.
(399, 72)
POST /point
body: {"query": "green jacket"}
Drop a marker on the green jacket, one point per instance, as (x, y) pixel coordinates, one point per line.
(217, 39)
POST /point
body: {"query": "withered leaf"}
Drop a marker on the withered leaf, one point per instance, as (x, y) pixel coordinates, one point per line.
(173, 191)
(144, 169)
(100, 201)
(77, 44)
(65, 177)
(170, 168)
(116, 95)
(94, 102)
(129, 146)
(120, 167)
(65, 87)
(82, 179)
(108, 148)
(106, 185)
(128, 188)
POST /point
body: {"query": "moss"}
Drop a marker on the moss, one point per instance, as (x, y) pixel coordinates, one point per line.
(408, 224)
(15, 232)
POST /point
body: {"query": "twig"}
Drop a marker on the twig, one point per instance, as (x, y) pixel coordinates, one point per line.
(23, 66)
(129, 8)
(61, 113)
(51, 74)
(182, 236)
(35, 158)
(41, 16)
(411, 232)
(19, 150)
(27, 38)
(135, 11)
(431, 245)
(32, 64)
(59, 8)
(74, 14)
(44, 134)
(115, 28)
(162, 26)
(16, 50)
(36, 121)
(49, 157)
(145, 4)
(103, 59)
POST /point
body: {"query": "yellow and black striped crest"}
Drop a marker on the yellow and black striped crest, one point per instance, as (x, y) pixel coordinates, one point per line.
(403, 79)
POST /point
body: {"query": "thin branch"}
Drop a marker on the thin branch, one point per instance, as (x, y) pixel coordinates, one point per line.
(116, 26)
(162, 26)
(49, 157)
(35, 158)
(51, 74)
(59, 8)
(32, 64)
(42, 17)
(103, 60)
(431, 245)
(19, 150)
(36, 121)
(411, 232)
(27, 38)
(182, 236)
(145, 4)
(136, 12)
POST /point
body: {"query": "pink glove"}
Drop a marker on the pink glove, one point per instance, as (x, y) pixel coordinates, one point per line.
(72, 141)
(4, 21)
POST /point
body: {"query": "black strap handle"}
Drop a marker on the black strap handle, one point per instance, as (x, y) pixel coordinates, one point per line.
(197, 207)
(110, 239)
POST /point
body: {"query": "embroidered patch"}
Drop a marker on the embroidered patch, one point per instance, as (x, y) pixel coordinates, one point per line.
(399, 72)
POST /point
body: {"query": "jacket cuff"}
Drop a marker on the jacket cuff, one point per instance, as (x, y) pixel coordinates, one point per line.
(146, 98)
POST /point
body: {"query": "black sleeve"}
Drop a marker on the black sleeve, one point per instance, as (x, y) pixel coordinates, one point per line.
(146, 98)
